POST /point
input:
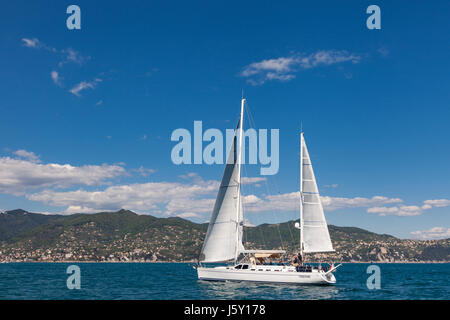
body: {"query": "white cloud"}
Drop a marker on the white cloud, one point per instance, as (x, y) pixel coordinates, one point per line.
(169, 198)
(284, 68)
(27, 155)
(189, 175)
(195, 196)
(80, 209)
(68, 55)
(397, 211)
(278, 65)
(438, 203)
(55, 77)
(290, 202)
(328, 57)
(404, 210)
(83, 85)
(72, 56)
(18, 176)
(334, 203)
(176, 199)
(37, 44)
(31, 43)
(247, 223)
(432, 234)
(189, 215)
(144, 171)
(251, 180)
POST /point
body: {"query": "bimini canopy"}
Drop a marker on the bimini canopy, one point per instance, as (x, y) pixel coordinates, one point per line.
(265, 253)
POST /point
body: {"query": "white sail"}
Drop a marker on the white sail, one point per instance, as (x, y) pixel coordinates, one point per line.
(223, 239)
(316, 237)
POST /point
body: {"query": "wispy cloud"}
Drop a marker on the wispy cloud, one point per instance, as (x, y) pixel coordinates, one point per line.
(432, 234)
(55, 77)
(383, 51)
(284, 68)
(83, 85)
(31, 43)
(144, 171)
(70, 55)
(67, 55)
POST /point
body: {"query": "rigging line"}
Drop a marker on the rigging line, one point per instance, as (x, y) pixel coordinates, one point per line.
(244, 234)
(249, 191)
(252, 123)
(244, 189)
(290, 232)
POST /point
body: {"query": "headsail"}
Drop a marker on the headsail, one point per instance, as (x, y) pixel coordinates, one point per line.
(223, 239)
(316, 237)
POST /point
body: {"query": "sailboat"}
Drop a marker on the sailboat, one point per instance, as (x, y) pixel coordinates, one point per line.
(224, 241)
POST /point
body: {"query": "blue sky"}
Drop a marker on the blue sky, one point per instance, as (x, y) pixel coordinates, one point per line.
(86, 115)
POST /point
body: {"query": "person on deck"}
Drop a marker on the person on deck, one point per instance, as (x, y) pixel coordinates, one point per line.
(300, 258)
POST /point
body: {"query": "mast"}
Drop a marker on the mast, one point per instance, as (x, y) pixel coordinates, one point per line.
(241, 122)
(301, 193)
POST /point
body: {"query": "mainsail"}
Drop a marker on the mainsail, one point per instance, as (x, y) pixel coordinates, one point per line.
(314, 229)
(223, 239)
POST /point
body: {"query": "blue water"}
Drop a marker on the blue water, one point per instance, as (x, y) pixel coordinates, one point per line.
(179, 281)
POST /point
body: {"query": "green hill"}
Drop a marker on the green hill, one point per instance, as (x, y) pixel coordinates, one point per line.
(127, 236)
(15, 222)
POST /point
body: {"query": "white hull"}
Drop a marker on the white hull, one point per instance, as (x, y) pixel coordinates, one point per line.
(269, 274)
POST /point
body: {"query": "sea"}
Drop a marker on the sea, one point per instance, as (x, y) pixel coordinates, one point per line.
(178, 281)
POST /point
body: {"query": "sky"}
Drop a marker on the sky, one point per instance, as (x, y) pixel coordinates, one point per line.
(86, 116)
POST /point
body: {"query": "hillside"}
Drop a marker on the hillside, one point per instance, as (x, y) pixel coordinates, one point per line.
(127, 236)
